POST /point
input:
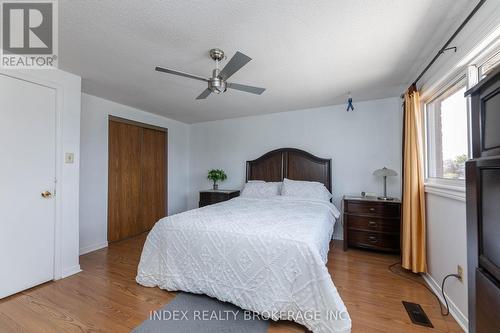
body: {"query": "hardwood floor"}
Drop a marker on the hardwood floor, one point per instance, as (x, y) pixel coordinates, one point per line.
(104, 297)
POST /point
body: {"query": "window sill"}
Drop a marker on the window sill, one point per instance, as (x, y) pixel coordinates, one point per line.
(447, 191)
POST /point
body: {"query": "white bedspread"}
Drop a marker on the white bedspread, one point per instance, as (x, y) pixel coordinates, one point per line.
(264, 255)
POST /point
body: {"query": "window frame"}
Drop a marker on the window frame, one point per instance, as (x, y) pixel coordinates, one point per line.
(450, 87)
(489, 64)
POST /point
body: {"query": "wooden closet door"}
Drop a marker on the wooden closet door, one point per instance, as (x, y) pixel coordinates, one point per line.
(124, 180)
(137, 178)
(153, 177)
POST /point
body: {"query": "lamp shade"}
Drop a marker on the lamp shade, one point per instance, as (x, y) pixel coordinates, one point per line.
(384, 172)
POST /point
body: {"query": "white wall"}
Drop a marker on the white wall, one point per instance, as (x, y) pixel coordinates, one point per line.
(446, 248)
(94, 165)
(68, 87)
(358, 142)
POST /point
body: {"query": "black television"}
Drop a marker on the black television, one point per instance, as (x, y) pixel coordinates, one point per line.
(489, 221)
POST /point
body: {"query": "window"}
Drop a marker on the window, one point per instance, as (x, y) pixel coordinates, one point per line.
(447, 121)
(447, 133)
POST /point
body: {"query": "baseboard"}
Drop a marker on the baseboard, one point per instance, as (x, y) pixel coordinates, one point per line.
(461, 319)
(70, 271)
(92, 248)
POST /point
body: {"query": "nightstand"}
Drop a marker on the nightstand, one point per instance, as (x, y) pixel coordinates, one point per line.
(210, 197)
(371, 223)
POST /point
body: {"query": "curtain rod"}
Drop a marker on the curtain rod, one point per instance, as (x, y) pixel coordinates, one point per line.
(445, 46)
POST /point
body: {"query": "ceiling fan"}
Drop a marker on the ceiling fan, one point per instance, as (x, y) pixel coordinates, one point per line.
(218, 82)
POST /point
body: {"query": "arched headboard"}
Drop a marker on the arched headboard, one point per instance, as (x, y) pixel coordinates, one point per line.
(290, 163)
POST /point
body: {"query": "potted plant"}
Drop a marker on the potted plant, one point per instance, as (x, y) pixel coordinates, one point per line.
(216, 175)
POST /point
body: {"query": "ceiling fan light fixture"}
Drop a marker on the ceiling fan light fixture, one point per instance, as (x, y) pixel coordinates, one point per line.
(217, 85)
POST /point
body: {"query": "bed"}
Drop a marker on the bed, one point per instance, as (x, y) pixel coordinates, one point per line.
(263, 255)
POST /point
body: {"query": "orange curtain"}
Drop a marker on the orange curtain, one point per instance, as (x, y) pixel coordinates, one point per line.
(413, 253)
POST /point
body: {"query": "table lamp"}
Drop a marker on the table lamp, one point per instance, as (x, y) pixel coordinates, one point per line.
(384, 172)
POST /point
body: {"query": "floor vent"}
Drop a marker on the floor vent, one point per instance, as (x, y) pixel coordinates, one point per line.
(417, 314)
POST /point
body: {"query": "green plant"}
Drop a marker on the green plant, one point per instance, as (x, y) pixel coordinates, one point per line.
(216, 175)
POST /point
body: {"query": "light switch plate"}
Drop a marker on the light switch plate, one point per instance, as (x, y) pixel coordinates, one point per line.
(69, 158)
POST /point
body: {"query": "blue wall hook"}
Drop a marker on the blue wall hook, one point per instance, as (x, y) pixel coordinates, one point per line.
(349, 103)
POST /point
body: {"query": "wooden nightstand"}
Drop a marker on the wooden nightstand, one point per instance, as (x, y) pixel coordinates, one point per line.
(210, 197)
(371, 223)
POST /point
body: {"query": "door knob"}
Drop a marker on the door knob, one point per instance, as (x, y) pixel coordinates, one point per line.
(46, 194)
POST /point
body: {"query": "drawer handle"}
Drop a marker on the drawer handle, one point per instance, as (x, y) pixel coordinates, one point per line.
(372, 239)
(372, 209)
(372, 223)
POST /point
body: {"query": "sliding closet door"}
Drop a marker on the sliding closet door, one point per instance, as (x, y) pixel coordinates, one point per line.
(153, 177)
(137, 178)
(124, 180)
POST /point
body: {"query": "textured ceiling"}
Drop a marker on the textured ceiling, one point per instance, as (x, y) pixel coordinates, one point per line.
(306, 53)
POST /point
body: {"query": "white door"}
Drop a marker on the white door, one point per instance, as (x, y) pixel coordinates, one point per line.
(27, 169)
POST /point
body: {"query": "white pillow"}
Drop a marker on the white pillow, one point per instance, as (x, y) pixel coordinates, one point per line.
(260, 189)
(305, 190)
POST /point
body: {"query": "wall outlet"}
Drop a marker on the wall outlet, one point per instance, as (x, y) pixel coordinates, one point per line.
(460, 272)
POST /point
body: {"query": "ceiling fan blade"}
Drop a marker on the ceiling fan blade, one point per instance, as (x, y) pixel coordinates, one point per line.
(204, 94)
(237, 61)
(242, 87)
(171, 71)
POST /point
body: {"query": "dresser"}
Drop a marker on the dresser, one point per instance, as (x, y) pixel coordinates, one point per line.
(210, 197)
(372, 224)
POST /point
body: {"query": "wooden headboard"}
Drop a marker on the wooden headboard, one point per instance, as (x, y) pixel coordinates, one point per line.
(290, 163)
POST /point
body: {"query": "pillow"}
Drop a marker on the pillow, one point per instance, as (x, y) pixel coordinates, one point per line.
(305, 190)
(260, 189)
(280, 184)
